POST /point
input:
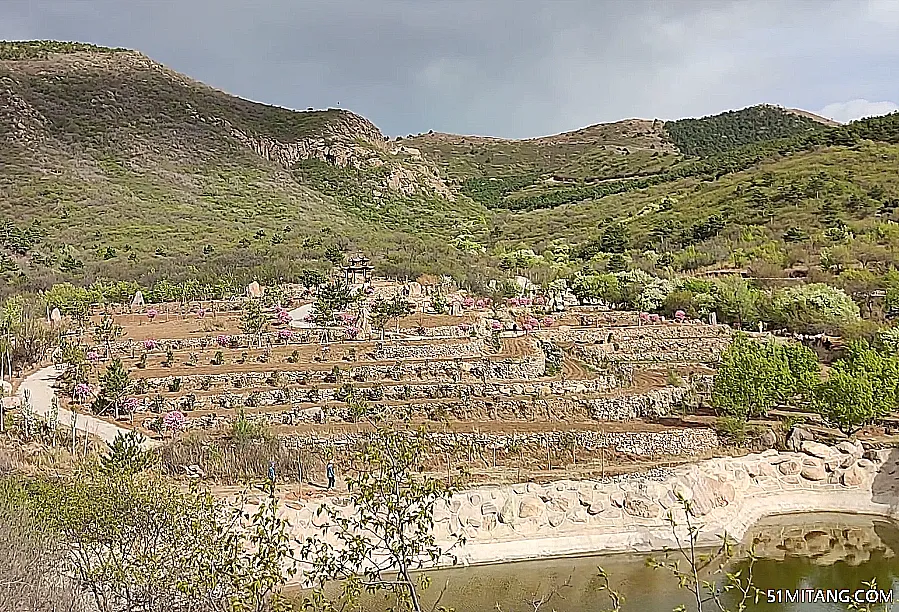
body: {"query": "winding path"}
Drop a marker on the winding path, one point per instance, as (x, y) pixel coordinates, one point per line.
(39, 387)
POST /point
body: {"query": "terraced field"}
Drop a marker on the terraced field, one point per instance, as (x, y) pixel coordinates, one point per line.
(573, 381)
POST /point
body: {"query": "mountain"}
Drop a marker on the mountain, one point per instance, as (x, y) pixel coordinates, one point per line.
(116, 166)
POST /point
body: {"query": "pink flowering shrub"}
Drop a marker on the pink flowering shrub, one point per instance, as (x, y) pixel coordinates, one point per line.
(347, 318)
(464, 327)
(548, 321)
(282, 316)
(514, 302)
(223, 340)
(479, 304)
(654, 318)
(644, 316)
(496, 325)
(152, 313)
(201, 313)
(680, 315)
(93, 356)
(149, 344)
(285, 334)
(82, 392)
(351, 332)
(174, 421)
(131, 404)
(468, 302)
(539, 300)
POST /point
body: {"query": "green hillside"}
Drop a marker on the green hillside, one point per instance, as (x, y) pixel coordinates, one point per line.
(115, 166)
(734, 129)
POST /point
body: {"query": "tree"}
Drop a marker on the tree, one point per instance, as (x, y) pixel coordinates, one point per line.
(125, 457)
(388, 531)
(860, 388)
(615, 238)
(384, 311)
(114, 386)
(330, 299)
(687, 564)
(736, 300)
(106, 331)
(312, 278)
(254, 320)
(142, 543)
(814, 307)
(754, 377)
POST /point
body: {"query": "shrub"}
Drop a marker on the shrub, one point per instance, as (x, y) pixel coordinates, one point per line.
(124, 456)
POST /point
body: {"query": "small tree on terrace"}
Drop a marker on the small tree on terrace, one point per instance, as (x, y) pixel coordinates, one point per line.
(754, 377)
(331, 298)
(114, 386)
(254, 320)
(384, 311)
(106, 331)
(388, 534)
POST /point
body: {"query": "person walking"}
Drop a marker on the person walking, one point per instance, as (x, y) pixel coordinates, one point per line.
(330, 473)
(271, 475)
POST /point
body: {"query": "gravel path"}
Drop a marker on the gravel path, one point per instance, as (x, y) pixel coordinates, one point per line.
(39, 387)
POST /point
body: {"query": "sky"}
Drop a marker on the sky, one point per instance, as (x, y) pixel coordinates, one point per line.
(507, 68)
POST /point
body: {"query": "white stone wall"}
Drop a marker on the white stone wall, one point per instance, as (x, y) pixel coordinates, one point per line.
(527, 521)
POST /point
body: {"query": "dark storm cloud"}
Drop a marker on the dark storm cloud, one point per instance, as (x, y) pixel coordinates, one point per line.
(504, 67)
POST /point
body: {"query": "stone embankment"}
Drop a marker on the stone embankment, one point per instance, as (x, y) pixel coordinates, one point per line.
(313, 405)
(727, 495)
(675, 343)
(668, 443)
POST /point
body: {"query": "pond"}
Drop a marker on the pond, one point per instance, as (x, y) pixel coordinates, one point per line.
(820, 551)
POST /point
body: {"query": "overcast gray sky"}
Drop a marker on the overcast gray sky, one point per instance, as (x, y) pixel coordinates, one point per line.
(512, 68)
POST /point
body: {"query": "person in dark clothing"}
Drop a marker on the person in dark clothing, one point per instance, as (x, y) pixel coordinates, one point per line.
(330, 472)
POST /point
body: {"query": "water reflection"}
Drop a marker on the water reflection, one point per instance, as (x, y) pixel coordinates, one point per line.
(822, 551)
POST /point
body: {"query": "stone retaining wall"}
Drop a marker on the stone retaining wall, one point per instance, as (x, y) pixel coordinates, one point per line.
(531, 367)
(671, 442)
(530, 521)
(287, 392)
(435, 350)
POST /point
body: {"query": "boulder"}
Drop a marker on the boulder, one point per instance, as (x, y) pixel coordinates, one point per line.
(531, 507)
(768, 439)
(510, 511)
(846, 447)
(556, 519)
(595, 507)
(865, 464)
(797, 436)
(853, 476)
(816, 449)
(813, 469)
(639, 506)
(790, 467)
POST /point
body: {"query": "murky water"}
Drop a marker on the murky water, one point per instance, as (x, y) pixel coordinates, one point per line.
(821, 551)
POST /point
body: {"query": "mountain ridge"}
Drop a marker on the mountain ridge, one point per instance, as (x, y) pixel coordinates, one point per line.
(117, 166)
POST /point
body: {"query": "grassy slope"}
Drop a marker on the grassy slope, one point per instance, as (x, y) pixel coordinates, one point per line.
(542, 172)
(848, 183)
(135, 170)
(107, 149)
